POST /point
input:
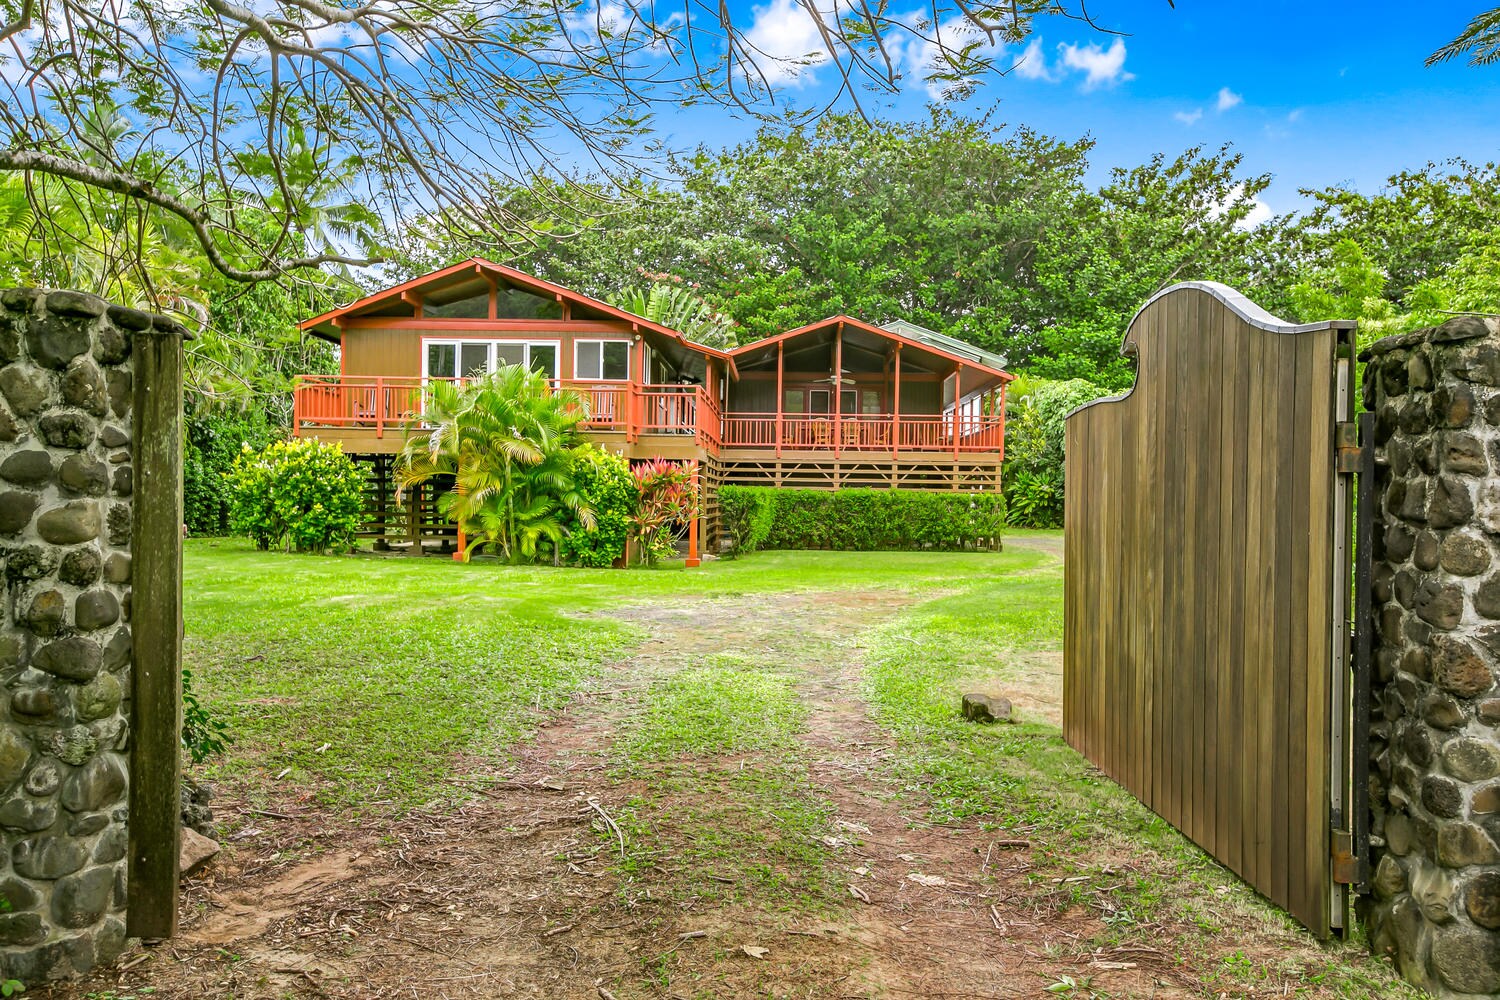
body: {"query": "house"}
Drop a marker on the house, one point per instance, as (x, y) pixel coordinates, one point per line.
(839, 403)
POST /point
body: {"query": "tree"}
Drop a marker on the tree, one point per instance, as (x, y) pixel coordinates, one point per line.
(1415, 227)
(669, 301)
(506, 440)
(238, 110)
(1147, 228)
(1480, 41)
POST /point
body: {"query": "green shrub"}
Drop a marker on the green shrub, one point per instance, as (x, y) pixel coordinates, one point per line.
(668, 501)
(746, 513)
(302, 493)
(884, 519)
(608, 489)
(213, 442)
(1035, 428)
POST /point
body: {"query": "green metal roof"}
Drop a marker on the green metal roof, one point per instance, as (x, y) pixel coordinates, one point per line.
(941, 340)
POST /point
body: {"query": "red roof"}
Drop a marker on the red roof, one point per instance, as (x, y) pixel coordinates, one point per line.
(516, 279)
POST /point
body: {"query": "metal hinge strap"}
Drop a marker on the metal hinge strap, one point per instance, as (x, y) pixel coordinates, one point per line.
(1345, 864)
(1346, 446)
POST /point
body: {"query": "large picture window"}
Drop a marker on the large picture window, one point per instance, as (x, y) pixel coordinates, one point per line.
(463, 358)
(606, 360)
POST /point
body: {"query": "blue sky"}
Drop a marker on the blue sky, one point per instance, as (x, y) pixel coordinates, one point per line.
(1315, 94)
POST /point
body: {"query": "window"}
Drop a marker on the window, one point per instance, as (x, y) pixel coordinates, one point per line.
(473, 307)
(512, 303)
(602, 359)
(463, 358)
(442, 360)
(794, 401)
(869, 400)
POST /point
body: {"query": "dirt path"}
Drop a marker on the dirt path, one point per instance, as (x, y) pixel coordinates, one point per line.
(575, 875)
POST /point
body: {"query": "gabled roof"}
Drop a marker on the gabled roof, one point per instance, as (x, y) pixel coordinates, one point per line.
(950, 344)
(514, 278)
(970, 356)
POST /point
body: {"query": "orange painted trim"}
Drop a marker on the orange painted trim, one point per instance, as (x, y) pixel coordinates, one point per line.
(478, 325)
(526, 282)
(823, 324)
(693, 562)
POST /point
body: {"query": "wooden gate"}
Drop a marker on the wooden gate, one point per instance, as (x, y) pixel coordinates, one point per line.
(1205, 664)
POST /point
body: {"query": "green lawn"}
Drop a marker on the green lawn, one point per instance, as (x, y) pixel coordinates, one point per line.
(379, 683)
(372, 679)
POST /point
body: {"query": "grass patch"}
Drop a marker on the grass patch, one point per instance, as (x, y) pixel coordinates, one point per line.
(1025, 778)
(727, 706)
(372, 678)
(746, 831)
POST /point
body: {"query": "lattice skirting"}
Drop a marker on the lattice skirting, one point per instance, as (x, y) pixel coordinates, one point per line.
(917, 472)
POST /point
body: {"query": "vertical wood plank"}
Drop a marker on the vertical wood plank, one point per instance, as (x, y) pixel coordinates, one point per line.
(1197, 616)
(156, 633)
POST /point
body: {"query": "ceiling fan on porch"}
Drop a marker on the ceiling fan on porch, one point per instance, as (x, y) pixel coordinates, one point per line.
(840, 379)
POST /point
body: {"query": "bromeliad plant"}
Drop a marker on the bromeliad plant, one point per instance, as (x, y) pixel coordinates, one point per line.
(668, 500)
(507, 439)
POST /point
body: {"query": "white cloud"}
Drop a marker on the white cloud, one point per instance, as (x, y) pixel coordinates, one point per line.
(786, 43)
(1188, 117)
(1031, 64)
(1295, 115)
(1228, 99)
(1102, 67)
(1259, 210)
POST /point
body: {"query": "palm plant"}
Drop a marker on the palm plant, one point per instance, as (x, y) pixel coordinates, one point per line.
(678, 306)
(507, 441)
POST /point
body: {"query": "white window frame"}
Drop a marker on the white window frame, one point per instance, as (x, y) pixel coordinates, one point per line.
(491, 343)
(599, 342)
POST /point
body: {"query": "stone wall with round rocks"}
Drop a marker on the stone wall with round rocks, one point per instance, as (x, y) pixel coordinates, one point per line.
(65, 522)
(1435, 747)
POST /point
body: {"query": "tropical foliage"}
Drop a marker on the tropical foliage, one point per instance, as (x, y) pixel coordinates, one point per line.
(860, 519)
(668, 500)
(501, 446)
(302, 493)
(609, 492)
(1036, 411)
(670, 301)
(214, 443)
(746, 515)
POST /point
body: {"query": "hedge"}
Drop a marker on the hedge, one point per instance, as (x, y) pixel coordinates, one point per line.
(860, 519)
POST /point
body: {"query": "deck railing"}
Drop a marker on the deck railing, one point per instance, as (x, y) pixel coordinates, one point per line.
(864, 432)
(382, 405)
(337, 402)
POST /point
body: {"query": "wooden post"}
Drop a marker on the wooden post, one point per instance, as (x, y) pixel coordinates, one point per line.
(379, 407)
(1002, 421)
(958, 395)
(692, 559)
(838, 391)
(780, 391)
(156, 631)
(896, 407)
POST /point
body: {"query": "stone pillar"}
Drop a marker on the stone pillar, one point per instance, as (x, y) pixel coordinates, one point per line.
(1435, 751)
(65, 517)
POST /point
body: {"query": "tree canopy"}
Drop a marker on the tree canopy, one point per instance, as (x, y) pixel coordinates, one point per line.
(280, 134)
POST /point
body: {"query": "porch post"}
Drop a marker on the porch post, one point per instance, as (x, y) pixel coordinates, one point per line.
(692, 559)
(896, 406)
(958, 395)
(838, 391)
(1002, 421)
(780, 391)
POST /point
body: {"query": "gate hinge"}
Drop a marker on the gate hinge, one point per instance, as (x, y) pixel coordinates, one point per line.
(1345, 864)
(1346, 445)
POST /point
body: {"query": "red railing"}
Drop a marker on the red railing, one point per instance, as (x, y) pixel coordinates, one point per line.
(863, 432)
(335, 402)
(321, 402)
